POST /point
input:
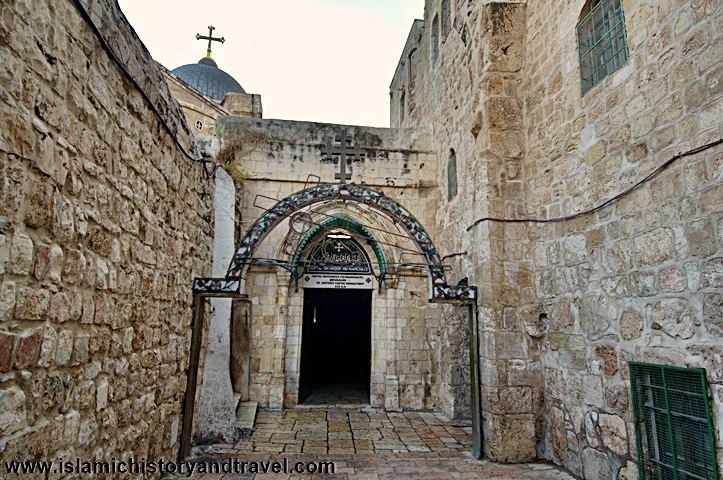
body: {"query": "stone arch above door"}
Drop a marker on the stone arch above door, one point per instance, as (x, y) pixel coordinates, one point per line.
(440, 291)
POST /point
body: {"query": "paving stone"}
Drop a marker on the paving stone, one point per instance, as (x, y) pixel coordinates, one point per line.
(310, 449)
(362, 444)
(339, 427)
(413, 451)
(305, 435)
(333, 417)
(417, 448)
(268, 447)
(289, 437)
(293, 448)
(367, 434)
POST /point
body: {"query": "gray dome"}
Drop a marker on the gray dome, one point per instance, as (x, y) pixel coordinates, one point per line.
(207, 78)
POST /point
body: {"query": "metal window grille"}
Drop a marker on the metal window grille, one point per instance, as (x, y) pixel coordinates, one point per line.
(673, 427)
(602, 43)
(452, 176)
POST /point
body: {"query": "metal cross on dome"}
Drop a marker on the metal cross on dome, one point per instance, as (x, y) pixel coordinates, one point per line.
(343, 150)
(210, 39)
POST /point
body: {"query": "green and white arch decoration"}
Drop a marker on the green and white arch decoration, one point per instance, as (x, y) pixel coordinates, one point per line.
(439, 290)
(348, 224)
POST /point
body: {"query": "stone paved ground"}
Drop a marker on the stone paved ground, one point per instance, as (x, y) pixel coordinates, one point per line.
(353, 430)
(366, 444)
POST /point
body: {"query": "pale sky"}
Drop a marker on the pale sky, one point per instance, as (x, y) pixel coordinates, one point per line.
(316, 60)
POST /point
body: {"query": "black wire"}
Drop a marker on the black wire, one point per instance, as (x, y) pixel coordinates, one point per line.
(122, 67)
(617, 197)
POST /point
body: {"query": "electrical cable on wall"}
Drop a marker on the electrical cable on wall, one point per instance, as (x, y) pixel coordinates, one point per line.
(86, 16)
(614, 199)
(211, 174)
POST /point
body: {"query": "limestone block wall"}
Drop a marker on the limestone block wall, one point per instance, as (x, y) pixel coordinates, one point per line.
(103, 225)
(280, 157)
(453, 394)
(244, 104)
(269, 292)
(564, 306)
(403, 90)
(289, 151)
(406, 343)
(468, 95)
(640, 279)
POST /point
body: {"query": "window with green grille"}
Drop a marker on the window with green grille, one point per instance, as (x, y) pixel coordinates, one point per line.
(601, 41)
(673, 427)
(452, 176)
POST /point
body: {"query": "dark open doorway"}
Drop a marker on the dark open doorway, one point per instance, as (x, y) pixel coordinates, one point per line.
(335, 346)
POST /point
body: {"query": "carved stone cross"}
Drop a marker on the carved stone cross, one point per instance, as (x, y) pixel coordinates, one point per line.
(343, 151)
(210, 39)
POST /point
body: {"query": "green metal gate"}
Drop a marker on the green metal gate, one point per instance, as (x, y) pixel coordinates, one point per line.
(673, 426)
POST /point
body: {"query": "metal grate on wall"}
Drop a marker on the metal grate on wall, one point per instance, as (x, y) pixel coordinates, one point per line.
(673, 427)
(602, 43)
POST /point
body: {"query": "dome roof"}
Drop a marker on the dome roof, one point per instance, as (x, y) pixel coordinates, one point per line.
(207, 78)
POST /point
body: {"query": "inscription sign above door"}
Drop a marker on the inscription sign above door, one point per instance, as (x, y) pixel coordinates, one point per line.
(331, 280)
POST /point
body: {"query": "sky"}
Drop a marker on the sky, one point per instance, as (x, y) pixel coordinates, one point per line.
(315, 60)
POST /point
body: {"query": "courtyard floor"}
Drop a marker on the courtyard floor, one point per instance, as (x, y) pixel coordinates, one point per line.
(364, 443)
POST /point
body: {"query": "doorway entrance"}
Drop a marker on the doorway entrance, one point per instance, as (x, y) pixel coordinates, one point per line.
(336, 347)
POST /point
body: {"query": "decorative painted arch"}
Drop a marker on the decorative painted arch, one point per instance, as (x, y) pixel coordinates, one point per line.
(350, 225)
(439, 290)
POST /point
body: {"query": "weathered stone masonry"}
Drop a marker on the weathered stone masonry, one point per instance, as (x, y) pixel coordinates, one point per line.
(565, 306)
(409, 362)
(636, 281)
(103, 225)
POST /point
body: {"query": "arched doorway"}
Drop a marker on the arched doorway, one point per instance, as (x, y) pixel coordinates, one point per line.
(265, 279)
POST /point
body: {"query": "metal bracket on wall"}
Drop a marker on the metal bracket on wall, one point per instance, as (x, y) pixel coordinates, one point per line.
(444, 293)
(217, 287)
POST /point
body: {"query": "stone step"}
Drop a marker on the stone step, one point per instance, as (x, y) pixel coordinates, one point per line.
(245, 413)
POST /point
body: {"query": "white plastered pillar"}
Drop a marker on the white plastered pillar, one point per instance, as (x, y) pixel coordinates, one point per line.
(216, 410)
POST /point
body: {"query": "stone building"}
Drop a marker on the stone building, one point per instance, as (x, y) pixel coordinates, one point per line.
(485, 257)
(531, 118)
